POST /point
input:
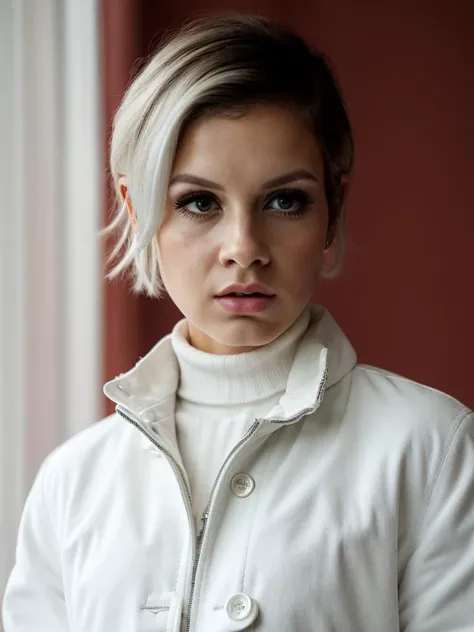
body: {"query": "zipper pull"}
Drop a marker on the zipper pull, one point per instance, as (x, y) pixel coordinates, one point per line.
(204, 518)
(203, 524)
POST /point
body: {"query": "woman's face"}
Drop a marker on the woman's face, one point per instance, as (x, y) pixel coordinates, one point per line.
(228, 220)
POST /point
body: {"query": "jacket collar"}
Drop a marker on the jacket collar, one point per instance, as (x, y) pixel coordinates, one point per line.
(323, 358)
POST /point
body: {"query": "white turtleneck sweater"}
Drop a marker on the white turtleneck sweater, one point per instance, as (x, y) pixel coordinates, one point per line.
(219, 396)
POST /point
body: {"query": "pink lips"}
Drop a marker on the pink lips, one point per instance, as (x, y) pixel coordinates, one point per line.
(245, 304)
(249, 288)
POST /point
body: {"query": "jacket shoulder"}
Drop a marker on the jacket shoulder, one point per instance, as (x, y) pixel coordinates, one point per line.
(418, 436)
(87, 451)
(414, 405)
(91, 438)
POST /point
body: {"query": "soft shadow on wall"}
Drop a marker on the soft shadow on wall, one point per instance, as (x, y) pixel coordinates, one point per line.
(405, 297)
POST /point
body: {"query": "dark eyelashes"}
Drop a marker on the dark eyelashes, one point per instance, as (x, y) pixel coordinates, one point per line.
(187, 198)
(296, 194)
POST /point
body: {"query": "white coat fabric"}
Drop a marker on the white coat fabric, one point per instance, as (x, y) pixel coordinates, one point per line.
(348, 508)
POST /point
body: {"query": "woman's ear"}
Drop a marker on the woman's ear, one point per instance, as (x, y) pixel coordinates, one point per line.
(123, 189)
(329, 254)
(344, 187)
(343, 193)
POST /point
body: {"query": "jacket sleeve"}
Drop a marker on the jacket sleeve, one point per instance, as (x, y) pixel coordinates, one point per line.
(34, 598)
(436, 593)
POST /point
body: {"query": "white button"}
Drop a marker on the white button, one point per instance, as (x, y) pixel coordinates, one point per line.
(242, 485)
(241, 608)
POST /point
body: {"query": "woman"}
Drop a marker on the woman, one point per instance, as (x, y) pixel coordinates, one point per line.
(255, 476)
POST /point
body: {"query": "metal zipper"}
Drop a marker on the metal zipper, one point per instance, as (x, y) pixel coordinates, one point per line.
(319, 397)
(257, 423)
(165, 451)
(205, 515)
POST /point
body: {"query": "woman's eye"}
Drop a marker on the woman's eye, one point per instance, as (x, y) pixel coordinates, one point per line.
(290, 202)
(202, 205)
(285, 202)
(195, 204)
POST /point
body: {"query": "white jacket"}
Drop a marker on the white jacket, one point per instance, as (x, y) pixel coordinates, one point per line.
(349, 509)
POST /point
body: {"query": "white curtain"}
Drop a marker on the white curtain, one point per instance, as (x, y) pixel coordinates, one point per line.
(51, 190)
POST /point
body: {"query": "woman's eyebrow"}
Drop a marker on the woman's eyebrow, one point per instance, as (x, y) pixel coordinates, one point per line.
(298, 174)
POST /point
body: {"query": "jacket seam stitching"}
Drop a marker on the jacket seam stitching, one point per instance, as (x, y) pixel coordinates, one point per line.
(460, 420)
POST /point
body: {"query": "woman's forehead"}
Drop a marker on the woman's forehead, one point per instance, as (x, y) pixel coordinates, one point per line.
(271, 140)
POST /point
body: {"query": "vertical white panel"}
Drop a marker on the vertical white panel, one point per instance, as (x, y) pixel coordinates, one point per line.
(43, 211)
(50, 212)
(12, 284)
(83, 200)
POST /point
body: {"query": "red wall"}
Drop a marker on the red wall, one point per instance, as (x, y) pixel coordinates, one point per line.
(405, 297)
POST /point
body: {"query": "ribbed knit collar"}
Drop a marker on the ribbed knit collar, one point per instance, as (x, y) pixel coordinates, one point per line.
(208, 378)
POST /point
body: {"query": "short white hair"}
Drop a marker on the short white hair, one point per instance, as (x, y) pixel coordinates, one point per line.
(224, 65)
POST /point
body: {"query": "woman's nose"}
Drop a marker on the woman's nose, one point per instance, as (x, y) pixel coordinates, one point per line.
(243, 242)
